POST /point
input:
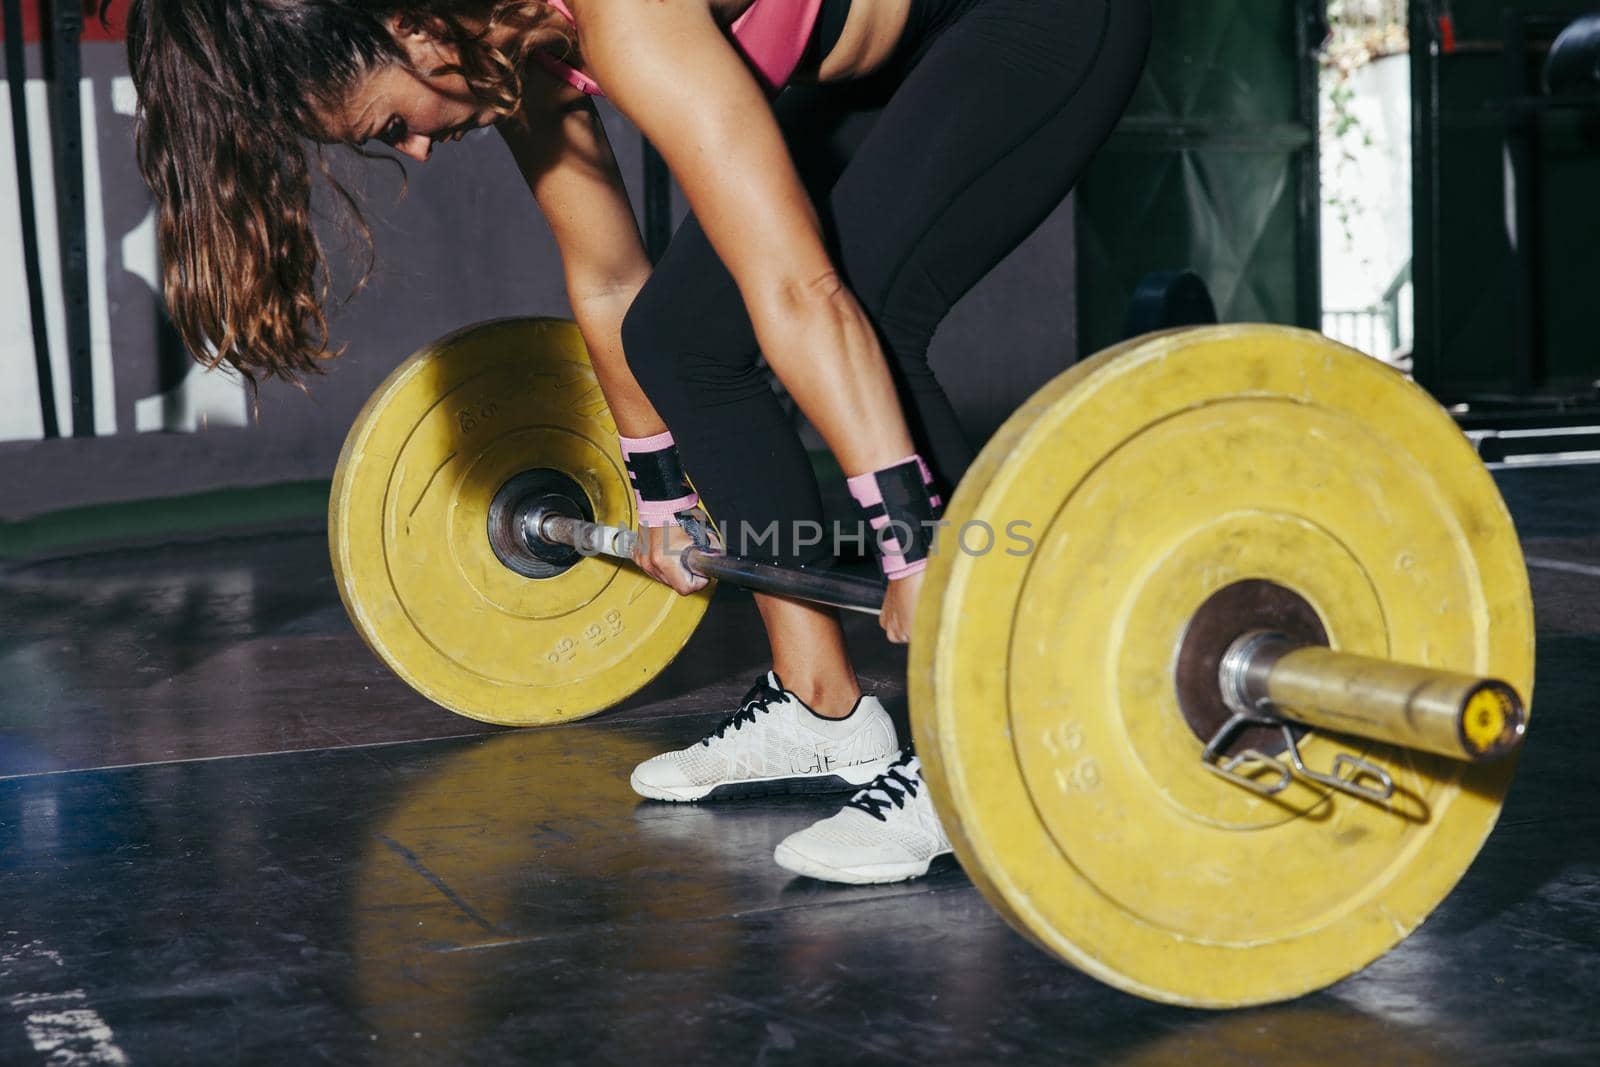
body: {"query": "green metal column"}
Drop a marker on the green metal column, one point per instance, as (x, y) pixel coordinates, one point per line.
(1214, 168)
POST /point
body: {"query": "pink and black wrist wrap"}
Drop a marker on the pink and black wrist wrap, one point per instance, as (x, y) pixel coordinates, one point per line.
(660, 487)
(902, 506)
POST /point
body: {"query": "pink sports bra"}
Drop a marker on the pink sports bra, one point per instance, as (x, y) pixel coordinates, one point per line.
(771, 34)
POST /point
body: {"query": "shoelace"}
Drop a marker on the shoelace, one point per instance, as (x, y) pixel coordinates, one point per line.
(885, 784)
(760, 699)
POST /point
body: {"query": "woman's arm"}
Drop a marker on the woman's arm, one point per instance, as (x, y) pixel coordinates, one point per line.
(668, 66)
(562, 151)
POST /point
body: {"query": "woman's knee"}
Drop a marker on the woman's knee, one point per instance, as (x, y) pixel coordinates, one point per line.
(647, 343)
(712, 358)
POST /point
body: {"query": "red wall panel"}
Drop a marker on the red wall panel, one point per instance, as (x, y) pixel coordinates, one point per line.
(34, 16)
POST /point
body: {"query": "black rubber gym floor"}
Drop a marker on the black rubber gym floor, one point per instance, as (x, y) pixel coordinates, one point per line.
(227, 835)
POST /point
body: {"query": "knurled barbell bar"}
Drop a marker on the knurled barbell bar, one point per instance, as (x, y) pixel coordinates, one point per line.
(1229, 731)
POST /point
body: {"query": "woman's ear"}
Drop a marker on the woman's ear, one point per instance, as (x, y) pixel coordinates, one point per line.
(407, 27)
(423, 41)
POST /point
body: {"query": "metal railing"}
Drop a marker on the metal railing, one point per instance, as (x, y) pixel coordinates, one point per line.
(1383, 330)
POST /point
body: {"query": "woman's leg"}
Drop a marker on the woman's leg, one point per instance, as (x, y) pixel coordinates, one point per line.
(690, 343)
(985, 137)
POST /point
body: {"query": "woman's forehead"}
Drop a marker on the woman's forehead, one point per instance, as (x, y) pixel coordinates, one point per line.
(364, 108)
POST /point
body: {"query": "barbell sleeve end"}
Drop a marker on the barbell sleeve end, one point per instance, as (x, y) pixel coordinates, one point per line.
(589, 538)
(1462, 716)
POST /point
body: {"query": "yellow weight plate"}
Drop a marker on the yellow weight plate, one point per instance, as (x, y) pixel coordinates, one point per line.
(408, 531)
(1042, 681)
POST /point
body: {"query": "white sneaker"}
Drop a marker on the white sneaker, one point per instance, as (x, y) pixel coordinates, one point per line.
(774, 743)
(888, 832)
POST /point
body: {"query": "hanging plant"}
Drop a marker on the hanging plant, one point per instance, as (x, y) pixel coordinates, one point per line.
(1360, 33)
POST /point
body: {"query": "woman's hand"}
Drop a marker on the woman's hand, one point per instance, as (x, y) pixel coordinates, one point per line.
(659, 553)
(900, 608)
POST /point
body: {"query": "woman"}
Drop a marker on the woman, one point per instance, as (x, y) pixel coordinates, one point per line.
(853, 166)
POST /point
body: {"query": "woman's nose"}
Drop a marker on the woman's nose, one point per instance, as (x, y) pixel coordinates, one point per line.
(417, 147)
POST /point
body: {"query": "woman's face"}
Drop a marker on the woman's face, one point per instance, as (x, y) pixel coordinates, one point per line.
(411, 111)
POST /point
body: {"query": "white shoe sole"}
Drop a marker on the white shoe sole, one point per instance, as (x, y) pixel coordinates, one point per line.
(839, 780)
(870, 874)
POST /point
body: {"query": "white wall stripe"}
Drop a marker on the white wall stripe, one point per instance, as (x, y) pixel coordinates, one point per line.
(19, 384)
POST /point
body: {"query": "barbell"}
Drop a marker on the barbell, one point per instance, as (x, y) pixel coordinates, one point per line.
(1233, 725)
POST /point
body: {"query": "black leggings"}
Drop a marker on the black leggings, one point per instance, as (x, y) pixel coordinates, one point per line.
(926, 175)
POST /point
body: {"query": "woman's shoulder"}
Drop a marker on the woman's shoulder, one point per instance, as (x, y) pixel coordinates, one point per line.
(725, 11)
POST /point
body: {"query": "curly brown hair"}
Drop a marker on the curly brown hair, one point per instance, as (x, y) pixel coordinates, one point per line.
(230, 92)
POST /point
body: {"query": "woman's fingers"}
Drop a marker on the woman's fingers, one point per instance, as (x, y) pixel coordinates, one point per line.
(659, 553)
(900, 608)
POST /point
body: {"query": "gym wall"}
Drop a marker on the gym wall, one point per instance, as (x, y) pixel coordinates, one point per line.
(1213, 169)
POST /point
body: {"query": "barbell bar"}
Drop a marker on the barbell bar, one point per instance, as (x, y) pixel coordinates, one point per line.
(539, 524)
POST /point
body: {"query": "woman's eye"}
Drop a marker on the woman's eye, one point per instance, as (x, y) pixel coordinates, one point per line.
(394, 132)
